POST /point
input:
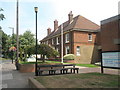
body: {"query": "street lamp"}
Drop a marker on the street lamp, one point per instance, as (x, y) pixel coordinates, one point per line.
(12, 40)
(36, 72)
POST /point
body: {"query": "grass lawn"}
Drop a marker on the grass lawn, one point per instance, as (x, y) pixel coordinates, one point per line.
(88, 80)
(47, 62)
(4, 59)
(87, 65)
(39, 62)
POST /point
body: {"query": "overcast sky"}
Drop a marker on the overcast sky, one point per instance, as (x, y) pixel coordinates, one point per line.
(49, 10)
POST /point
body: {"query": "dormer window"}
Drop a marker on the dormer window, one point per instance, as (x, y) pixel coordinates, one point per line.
(67, 37)
(89, 37)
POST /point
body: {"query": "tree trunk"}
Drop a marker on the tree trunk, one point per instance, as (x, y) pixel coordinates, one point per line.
(43, 58)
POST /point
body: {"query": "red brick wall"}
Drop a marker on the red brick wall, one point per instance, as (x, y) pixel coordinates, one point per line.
(82, 37)
(109, 32)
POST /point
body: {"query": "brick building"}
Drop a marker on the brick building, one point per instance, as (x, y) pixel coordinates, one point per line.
(79, 38)
(110, 42)
(110, 34)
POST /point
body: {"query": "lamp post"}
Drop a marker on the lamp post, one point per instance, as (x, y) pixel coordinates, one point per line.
(62, 43)
(12, 40)
(17, 35)
(36, 72)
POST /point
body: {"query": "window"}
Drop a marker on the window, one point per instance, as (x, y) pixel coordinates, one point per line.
(57, 40)
(89, 37)
(67, 37)
(52, 41)
(67, 49)
(57, 49)
(78, 50)
(47, 42)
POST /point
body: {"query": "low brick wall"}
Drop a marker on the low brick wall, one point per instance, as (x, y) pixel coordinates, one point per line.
(27, 68)
(33, 83)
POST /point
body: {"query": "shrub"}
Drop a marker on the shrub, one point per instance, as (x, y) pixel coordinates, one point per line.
(69, 57)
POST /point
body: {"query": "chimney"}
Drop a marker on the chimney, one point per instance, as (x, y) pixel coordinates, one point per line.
(55, 25)
(70, 16)
(48, 31)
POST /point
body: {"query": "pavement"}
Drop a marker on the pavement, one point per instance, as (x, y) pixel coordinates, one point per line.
(11, 78)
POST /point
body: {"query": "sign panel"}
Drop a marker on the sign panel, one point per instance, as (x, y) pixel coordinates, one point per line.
(111, 59)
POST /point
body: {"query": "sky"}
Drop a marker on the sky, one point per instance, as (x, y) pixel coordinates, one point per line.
(49, 10)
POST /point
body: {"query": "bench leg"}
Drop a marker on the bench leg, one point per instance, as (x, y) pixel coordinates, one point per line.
(74, 70)
(40, 73)
(49, 72)
(77, 70)
(66, 70)
(54, 72)
(71, 70)
(61, 71)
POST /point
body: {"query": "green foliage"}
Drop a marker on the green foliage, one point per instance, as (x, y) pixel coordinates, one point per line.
(46, 50)
(1, 15)
(4, 43)
(27, 42)
(31, 50)
(27, 39)
(69, 57)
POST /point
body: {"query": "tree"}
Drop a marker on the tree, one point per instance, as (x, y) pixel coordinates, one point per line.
(4, 43)
(46, 50)
(31, 50)
(26, 41)
(1, 15)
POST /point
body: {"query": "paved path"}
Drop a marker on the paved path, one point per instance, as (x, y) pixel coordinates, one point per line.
(98, 69)
(12, 78)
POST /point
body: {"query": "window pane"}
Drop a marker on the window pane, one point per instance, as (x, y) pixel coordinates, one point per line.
(78, 51)
(67, 37)
(67, 49)
(90, 37)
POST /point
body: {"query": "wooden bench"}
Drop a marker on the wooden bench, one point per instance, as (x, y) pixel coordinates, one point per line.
(62, 68)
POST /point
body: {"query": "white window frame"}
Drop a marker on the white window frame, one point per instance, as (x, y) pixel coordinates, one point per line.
(57, 40)
(89, 37)
(67, 37)
(47, 42)
(66, 49)
(52, 41)
(57, 49)
(78, 51)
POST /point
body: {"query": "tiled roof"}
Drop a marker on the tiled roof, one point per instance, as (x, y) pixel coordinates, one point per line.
(79, 23)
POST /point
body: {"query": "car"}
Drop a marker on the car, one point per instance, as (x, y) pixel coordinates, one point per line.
(31, 59)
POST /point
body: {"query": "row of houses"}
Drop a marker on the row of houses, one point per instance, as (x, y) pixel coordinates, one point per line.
(81, 37)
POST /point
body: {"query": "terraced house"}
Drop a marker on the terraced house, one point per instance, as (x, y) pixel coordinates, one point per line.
(80, 37)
